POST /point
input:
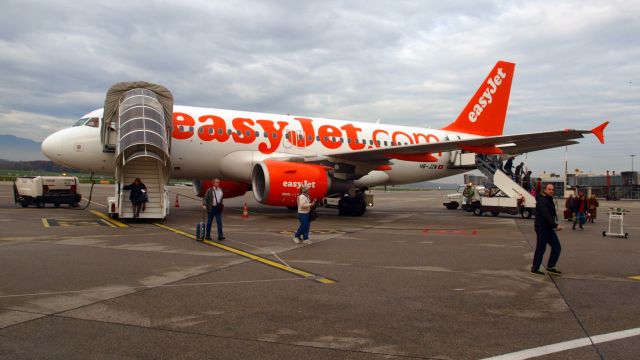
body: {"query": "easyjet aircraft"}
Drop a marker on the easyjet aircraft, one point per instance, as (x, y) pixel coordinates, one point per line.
(273, 155)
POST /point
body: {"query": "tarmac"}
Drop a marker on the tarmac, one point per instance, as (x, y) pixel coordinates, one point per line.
(408, 280)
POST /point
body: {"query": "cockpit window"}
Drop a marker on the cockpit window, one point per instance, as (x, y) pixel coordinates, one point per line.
(80, 122)
(93, 122)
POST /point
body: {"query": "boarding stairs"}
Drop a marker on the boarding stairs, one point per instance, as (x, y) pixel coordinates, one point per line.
(504, 182)
(141, 121)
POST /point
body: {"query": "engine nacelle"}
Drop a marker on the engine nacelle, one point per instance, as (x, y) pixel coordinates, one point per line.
(278, 182)
(230, 189)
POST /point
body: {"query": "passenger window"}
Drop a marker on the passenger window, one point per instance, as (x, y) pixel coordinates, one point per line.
(317, 137)
(385, 143)
(219, 131)
(348, 140)
(310, 137)
(229, 131)
(238, 132)
(370, 142)
(257, 133)
(210, 131)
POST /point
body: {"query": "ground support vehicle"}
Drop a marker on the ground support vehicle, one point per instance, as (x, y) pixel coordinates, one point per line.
(41, 190)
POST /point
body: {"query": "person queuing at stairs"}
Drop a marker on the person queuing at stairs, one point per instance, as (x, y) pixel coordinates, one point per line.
(593, 208)
(526, 181)
(546, 226)
(580, 207)
(138, 196)
(508, 166)
(213, 203)
(568, 208)
(519, 173)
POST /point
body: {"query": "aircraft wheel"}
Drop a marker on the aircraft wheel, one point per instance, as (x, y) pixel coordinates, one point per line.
(526, 214)
(74, 204)
(56, 204)
(477, 211)
(452, 206)
(356, 206)
(25, 203)
(40, 203)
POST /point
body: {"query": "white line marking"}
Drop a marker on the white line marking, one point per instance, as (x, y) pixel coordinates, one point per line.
(119, 288)
(566, 345)
(269, 250)
(93, 202)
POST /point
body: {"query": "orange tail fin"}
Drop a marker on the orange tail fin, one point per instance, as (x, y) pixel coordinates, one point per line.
(487, 110)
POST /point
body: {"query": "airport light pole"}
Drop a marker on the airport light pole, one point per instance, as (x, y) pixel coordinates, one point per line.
(632, 156)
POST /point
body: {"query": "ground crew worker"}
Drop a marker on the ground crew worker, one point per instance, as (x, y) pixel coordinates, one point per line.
(546, 226)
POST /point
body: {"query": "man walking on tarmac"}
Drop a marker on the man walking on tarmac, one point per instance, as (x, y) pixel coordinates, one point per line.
(213, 203)
(546, 225)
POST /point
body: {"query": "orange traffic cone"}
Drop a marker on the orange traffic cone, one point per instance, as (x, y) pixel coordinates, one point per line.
(177, 204)
(245, 211)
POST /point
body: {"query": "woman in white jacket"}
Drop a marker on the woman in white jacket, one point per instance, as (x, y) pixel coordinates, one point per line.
(304, 207)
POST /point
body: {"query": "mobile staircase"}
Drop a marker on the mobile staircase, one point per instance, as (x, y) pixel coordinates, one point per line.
(505, 195)
(137, 128)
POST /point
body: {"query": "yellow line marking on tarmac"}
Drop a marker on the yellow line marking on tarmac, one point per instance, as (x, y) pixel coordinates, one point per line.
(302, 273)
(635, 277)
(108, 223)
(105, 217)
(45, 222)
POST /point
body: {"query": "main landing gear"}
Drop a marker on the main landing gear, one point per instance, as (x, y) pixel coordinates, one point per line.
(352, 206)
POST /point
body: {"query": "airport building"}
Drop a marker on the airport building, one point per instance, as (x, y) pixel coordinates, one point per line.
(610, 186)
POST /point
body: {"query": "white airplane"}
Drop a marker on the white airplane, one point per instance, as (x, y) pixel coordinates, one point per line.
(273, 155)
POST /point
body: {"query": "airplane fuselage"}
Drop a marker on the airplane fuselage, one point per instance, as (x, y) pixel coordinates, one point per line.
(208, 143)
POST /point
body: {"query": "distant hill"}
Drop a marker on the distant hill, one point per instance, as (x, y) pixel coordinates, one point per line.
(37, 165)
(14, 148)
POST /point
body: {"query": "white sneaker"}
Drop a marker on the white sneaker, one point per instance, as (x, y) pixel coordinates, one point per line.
(306, 241)
(296, 240)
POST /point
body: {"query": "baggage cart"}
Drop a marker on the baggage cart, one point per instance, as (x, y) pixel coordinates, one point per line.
(616, 218)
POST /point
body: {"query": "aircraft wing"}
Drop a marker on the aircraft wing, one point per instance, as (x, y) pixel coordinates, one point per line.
(508, 144)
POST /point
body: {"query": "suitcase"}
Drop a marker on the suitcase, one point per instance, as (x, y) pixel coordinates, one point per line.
(200, 229)
(568, 215)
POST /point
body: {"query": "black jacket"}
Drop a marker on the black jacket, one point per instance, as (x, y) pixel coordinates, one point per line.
(136, 191)
(546, 217)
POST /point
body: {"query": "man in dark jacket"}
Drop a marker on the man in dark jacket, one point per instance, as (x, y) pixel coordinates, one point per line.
(546, 225)
(508, 167)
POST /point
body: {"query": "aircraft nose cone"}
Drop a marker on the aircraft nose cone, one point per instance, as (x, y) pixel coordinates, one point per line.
(52, 146)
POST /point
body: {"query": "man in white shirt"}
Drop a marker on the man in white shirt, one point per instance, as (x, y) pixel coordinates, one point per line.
(304, 207)
(212, 202)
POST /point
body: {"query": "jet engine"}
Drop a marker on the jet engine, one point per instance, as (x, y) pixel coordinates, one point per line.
(278, 182)
(230, 189)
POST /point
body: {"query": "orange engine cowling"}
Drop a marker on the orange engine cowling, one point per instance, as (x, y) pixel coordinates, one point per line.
(278, 182)
(230, 189)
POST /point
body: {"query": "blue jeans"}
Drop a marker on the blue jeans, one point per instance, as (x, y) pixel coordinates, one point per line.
(305, 225)
(210, 214)
(546, 236)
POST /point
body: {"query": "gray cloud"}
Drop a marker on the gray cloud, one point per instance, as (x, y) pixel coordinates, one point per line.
(405, 62)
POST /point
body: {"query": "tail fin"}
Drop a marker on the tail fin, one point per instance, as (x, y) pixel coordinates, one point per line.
(486, 111)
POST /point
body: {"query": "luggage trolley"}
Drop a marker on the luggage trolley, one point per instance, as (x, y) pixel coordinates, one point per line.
(616, 215)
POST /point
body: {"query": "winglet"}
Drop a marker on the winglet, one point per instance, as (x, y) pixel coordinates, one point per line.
(598, 131)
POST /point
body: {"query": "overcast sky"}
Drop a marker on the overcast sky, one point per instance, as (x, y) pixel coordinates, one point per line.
(405, 62)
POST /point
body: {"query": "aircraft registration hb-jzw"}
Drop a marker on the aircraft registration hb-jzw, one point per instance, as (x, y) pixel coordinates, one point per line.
(273, 155)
